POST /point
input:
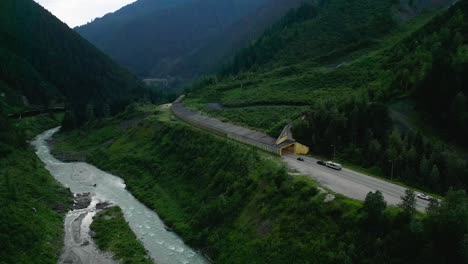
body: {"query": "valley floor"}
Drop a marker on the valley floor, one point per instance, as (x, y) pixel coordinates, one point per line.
(239, 205)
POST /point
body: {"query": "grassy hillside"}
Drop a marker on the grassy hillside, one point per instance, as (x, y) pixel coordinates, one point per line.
(345, 69)
(32, 203)
(112, 234)
(314, 52)
(241, 207)
(318, 33)
(269, 119)
(47, 63)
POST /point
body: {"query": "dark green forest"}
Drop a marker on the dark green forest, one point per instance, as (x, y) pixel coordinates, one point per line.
(361, 133)
(428, 68)
(45, 61)
(431, 66)
(240, 207)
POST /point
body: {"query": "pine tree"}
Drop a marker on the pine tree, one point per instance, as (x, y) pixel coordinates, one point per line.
(408, 203)
(434, 178)
(90, 112)
(424, 169)
(433, 206)
(374, 206)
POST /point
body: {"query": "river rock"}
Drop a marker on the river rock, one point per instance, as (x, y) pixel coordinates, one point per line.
(329, 197)
(82, 201)
(103, 205)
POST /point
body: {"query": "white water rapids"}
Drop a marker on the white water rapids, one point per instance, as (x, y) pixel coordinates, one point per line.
(163, 246)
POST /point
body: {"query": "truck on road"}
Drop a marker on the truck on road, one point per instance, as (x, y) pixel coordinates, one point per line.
(333, 165)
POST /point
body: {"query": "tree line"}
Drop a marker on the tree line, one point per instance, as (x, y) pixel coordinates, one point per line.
(361, 131)
(404, 236)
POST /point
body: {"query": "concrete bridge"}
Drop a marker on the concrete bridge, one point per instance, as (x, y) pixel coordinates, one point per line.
(36, 112)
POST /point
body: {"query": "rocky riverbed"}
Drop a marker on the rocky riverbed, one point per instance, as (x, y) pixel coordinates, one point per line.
(95, 189)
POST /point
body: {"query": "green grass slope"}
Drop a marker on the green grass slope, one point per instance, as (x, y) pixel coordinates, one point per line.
(241, 207)
(314, 52)
(32, 203)
(112, 234)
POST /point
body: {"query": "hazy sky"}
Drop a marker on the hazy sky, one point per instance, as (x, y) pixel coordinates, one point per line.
(79, 12)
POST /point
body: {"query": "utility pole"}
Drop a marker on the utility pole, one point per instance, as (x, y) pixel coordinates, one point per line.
(391, 173)
(334, 151)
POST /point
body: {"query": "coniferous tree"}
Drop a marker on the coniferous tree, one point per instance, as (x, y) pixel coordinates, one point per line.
(408, 203)
(373, 208)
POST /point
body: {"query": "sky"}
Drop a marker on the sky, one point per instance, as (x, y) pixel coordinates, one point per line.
(78, 12)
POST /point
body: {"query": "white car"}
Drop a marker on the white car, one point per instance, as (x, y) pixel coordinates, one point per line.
(424, 196)
(333, 165)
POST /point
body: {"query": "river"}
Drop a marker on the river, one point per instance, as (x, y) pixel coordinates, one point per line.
(163, 246)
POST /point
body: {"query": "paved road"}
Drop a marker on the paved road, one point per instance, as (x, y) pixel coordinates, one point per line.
(241, 134)
(219, 126)
(349, 183)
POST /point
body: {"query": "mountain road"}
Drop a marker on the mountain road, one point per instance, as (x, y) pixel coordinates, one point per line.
(346, 182)
(349, 183)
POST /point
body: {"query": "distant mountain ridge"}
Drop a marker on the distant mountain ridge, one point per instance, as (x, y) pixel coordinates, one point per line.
(182, 38)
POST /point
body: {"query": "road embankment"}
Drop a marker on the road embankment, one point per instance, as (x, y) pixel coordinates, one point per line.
(347, 182)
(235, 132)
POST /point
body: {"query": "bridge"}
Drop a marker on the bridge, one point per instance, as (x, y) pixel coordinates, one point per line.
(285, 144)
(36, 112)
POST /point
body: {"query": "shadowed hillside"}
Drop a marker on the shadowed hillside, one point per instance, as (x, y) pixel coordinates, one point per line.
(184, 38)
(45, 63)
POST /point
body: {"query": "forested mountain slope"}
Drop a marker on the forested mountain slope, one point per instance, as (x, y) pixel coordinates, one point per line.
(45, 61)
(309, 51)
(181, 39)
(349, 79)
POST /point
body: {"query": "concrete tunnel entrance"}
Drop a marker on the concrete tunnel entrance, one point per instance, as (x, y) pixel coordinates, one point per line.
(288, 150)
(288, 145)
